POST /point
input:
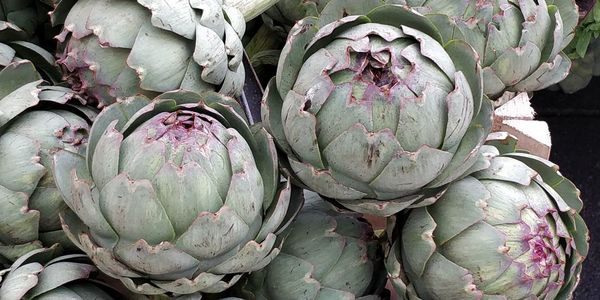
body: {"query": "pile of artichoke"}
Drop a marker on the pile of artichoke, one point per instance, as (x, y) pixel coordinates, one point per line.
(134, 164)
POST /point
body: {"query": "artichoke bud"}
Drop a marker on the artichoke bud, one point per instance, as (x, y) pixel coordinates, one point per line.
(36, 121)
(374, 111)
(520, 43)
(511, 230)
(194, 45)
(177, 195)
(326, 254)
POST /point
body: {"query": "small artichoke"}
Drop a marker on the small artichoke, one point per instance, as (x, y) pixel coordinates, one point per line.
(512, 231)
(40, 275)
(373, 111)
(519, 42)
(120, 48)
(35, 122)
(176, 195)
(326, 254)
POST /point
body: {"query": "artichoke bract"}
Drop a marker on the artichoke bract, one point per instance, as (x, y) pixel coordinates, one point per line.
(35, 122)
(176, 195)
(373, 111)
(519, 42)
(39, 274)
(326, 254)
(117, 49)
(512, 231)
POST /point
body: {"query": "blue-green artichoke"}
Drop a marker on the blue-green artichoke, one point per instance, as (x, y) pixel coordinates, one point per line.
(116, 49)
(35, 122)
(176, 195)
(373, 110)
(519, 42)
(326, 254)
(512, 231)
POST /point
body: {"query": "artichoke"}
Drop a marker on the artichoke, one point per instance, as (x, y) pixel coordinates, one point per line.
(326, 254)
(512, 231)
(35, 122)
(120, 48)
(373, 111)
(40, 275)
(176, 195)
(519, 42)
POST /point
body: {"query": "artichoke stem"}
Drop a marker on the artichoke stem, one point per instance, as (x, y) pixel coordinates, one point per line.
(251, 8)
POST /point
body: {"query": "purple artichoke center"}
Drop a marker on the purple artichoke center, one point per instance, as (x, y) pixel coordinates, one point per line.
(543, 253)
(179, 127)
(376, 72)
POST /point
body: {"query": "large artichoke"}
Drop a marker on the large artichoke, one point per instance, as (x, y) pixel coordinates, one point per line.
(373, 111)
(519, 42)
(39, 274)
(512, 231)
(176, 195)
(326, 254)
(119, 48)
(35, 122)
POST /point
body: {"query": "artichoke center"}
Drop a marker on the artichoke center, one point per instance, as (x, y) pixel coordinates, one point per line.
(178, 127)
(542, 251)
(376, 71)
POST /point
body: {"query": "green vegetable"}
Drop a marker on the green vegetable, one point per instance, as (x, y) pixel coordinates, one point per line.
(327, 254)
(117, 49)
(512, 231)
(373, 110)
(35, 121)
(177, 194)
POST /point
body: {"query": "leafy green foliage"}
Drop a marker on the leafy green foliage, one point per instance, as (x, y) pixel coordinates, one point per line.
(588, 29)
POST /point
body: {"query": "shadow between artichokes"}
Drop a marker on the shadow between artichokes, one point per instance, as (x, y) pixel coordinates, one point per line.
(373, 111)
(512, 231)
(176, 195)
(282, 16)
(36, 120)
